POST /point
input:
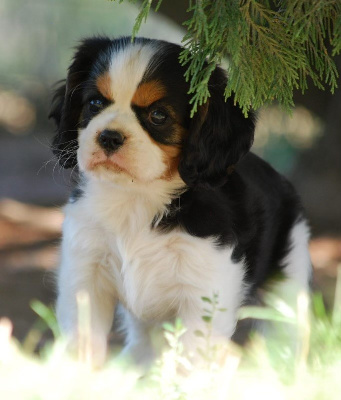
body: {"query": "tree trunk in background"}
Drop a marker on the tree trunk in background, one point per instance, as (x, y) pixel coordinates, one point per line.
(317, 174)
(175, 10)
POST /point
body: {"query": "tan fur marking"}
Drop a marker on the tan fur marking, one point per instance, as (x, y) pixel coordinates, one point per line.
(147, 93)
(171, 159)
(103, 84)
(179, 132)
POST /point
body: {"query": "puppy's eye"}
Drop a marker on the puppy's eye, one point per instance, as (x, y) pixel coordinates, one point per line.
(96, 105)
(157, 117)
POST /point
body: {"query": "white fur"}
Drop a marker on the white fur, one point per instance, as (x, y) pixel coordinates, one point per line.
(298, 272)
(127, 69)
(110, 250)
(297, 268)
(297, 263)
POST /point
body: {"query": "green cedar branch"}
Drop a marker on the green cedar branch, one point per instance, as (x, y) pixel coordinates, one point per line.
(271, 47)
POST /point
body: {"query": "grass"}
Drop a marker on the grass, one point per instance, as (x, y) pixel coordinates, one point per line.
(268, 368)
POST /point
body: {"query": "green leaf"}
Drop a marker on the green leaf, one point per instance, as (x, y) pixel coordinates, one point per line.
(168, 327)
(178, 324)
(47, 315)
(206, 300)
(264, 313)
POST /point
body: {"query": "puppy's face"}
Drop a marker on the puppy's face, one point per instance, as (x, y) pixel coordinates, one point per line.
(132, 124)
(124, 115)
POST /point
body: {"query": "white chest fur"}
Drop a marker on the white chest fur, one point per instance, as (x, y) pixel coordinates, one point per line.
(110, 246)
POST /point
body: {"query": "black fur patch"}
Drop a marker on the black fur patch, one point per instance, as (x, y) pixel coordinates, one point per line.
(254, 211)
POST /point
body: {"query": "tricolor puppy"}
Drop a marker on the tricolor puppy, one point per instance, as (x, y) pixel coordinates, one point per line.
(169, 208)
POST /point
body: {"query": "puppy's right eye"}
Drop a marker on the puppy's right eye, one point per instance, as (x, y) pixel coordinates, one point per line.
(96, 105)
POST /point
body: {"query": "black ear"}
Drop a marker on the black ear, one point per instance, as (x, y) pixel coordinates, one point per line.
(219, 136)
(64, 144)
(67, 102)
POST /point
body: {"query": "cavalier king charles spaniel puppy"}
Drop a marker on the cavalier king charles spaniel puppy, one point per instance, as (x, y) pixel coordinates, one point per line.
(168, 208)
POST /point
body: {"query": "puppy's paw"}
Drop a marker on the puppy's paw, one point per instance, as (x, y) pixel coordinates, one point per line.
(90, 350)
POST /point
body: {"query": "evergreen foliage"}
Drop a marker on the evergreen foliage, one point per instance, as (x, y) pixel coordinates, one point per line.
(272, 47)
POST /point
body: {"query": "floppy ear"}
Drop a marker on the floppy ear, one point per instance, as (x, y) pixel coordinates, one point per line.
(64, 144)
(219, 136)
(67, 102)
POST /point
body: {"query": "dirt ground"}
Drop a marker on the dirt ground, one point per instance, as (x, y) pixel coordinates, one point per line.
(29, 238)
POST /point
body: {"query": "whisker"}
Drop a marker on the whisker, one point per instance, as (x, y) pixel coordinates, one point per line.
(44, 165)
(82, 85)
(78, 123)
(67, 142)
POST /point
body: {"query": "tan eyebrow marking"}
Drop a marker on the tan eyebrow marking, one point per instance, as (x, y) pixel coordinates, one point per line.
(103, 84)
(147, 93)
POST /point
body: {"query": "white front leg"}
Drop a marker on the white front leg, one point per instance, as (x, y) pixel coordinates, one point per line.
(81, 270)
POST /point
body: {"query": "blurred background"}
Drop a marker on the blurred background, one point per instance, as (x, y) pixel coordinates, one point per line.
(36, 46)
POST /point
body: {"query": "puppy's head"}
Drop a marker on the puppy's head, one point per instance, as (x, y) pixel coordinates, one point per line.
(123, 115)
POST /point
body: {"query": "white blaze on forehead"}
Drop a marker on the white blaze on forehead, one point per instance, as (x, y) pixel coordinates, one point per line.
(127, 69)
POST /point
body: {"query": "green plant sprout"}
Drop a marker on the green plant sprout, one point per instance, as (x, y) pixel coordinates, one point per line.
(210, 349)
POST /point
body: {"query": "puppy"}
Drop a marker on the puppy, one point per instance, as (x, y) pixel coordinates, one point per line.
(168, 208)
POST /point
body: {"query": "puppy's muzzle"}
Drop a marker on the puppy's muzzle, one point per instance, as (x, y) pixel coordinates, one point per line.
(110, 141)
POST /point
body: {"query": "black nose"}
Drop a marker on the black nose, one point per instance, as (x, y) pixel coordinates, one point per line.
(110, 141)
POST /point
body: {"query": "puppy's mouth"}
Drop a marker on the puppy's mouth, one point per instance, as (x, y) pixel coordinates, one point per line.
(114, 163)
(108, 165)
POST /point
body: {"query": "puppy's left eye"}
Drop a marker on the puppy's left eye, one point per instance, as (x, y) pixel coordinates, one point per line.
(96, 105)
(157, 116)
